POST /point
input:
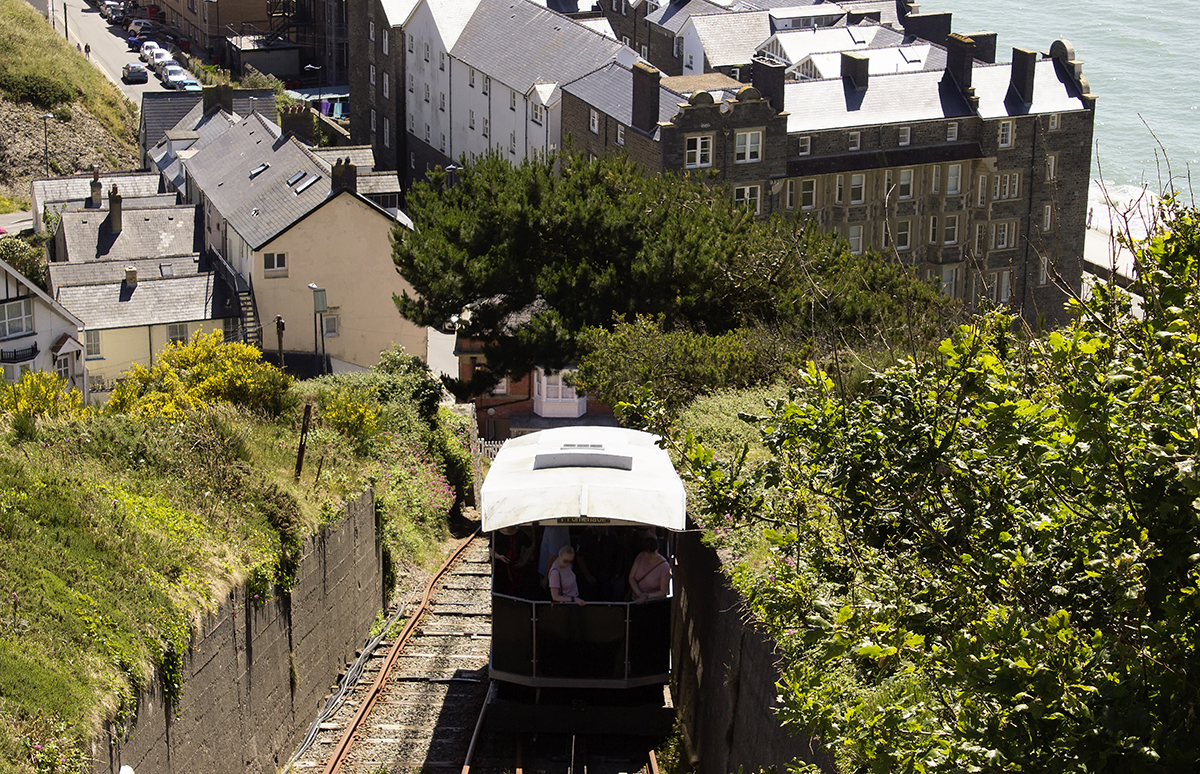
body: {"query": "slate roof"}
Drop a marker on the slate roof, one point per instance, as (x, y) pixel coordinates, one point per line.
(1051, 94)
(128, 202)
(830, 104)
(378, 183)
(689, 84)
(452, 17)
(107, 272)
(362, 156)
(206, 127)
(565, 49)
(672, 16)
(161, 110)
(884, 61)
(398, 11)
(732, 38)
(247, 100)
(152, 232)
(258, 207)
(798, 44)
(79, 187)
(610, 90)
(151, 302)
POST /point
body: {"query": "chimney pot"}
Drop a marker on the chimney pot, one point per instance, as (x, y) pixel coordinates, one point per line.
(114, 210)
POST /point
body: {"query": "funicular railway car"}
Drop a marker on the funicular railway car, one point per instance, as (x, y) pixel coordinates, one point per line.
(611, 494)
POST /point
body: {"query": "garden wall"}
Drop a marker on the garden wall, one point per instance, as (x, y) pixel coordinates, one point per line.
(725, 674)
(257, 675)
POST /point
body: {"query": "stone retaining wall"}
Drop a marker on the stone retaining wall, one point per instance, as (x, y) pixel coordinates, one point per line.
(256, 675)
(725, 674)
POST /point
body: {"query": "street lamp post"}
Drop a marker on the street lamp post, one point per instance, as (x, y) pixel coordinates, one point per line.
(320, 85)
(46, 139)
(319, 309)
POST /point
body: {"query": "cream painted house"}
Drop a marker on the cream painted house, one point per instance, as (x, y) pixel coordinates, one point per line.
(38, 334)
(282, 218)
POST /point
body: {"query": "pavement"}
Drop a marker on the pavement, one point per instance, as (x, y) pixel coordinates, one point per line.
(16, 222)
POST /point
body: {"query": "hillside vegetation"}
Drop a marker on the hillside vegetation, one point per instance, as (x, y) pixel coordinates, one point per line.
(119, 527)
(987, 559)
(40, 72)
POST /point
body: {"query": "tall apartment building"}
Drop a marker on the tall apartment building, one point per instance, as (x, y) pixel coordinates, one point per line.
(975, 173)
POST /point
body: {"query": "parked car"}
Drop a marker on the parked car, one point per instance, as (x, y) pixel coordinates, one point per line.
(148, 49)
(161, 65)
(173, 77)
(157, 56)
(107, 8)
(136, 41)
(191, 84)
(135, 73)
(137, 26)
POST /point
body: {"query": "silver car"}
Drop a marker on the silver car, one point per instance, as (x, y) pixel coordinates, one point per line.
(173, 77)
(148, 49)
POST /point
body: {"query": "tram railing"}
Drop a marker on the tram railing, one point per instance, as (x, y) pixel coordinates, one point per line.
(600, 644)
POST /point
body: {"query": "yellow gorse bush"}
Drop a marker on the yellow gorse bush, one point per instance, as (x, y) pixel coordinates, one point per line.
(202, 372)
(40, 394)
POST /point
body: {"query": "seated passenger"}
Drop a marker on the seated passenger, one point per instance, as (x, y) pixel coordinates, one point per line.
(512, 551)
(650, 577)
(563, 586)
(554, 537)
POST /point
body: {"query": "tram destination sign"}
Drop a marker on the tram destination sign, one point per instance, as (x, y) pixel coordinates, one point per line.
(581, 520)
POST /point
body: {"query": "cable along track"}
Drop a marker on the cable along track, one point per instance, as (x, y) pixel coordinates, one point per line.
(416, 706)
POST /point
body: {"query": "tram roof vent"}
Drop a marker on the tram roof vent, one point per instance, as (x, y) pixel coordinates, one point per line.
(582, 455)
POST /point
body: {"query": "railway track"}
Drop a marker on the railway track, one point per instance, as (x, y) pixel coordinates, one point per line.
(420, 702)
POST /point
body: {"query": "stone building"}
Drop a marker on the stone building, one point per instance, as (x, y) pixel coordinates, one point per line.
(975, 173)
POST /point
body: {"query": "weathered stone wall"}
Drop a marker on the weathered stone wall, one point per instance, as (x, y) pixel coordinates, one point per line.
(256, 675)
(725, 674)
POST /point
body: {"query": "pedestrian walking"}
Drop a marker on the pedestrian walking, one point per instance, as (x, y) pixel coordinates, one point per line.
(88, 50)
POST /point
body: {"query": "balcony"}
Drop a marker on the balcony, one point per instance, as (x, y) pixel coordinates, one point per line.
(21, 355)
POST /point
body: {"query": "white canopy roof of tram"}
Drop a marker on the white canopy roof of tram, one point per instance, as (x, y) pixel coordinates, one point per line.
(583, 475)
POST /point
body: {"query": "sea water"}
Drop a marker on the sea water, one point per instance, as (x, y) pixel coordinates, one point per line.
(1140, 62)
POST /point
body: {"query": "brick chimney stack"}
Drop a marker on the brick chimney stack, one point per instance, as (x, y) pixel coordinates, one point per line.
(344, 176)
(1024, 66)
(114, 210)
(855, 70)
(645, 96)
(131, 277)
(960, 59)
(97, 188)
(297, 120)
(767, 76)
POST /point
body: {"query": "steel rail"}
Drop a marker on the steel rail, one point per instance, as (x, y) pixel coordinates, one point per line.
(491, 695)
(342, 748)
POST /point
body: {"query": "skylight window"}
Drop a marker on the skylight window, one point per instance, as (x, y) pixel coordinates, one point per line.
(259, 170)
(301, 188)
(295, 178)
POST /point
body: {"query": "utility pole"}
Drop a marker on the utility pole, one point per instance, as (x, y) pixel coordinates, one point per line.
(65, 35)
(279, 326)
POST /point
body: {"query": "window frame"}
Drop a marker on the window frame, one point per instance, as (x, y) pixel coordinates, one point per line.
(387, 86)
(854, 235)
(1004, 134)
(1051, 167)
(950, 230)
(747, 148)
(620, 134)
(903, 228)
(742, 195)
(934, 222)
(700, 157)
(594, 121)
(904, 190)
(952, 131)
(1055, 122)
(278, 264)
(92, 349)
(1047, 219)
(173, 330)
(804, 145)
(25, 315)
(385, 40)
(808, 188)
(861, 185)
(904, 136)
(854, 141)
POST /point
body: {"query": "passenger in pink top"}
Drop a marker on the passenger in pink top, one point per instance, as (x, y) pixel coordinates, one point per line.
(650, 577)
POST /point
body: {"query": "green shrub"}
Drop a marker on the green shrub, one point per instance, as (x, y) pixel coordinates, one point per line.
(205, 371)
(41, 91)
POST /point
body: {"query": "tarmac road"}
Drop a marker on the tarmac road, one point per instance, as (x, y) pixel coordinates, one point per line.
(85, 26)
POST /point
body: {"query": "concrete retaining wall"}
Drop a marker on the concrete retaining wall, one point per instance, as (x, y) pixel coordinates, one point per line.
(256, 675)
(725, 674)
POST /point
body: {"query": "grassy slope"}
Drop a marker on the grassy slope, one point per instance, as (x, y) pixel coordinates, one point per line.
(111, 542)
(28, 47)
